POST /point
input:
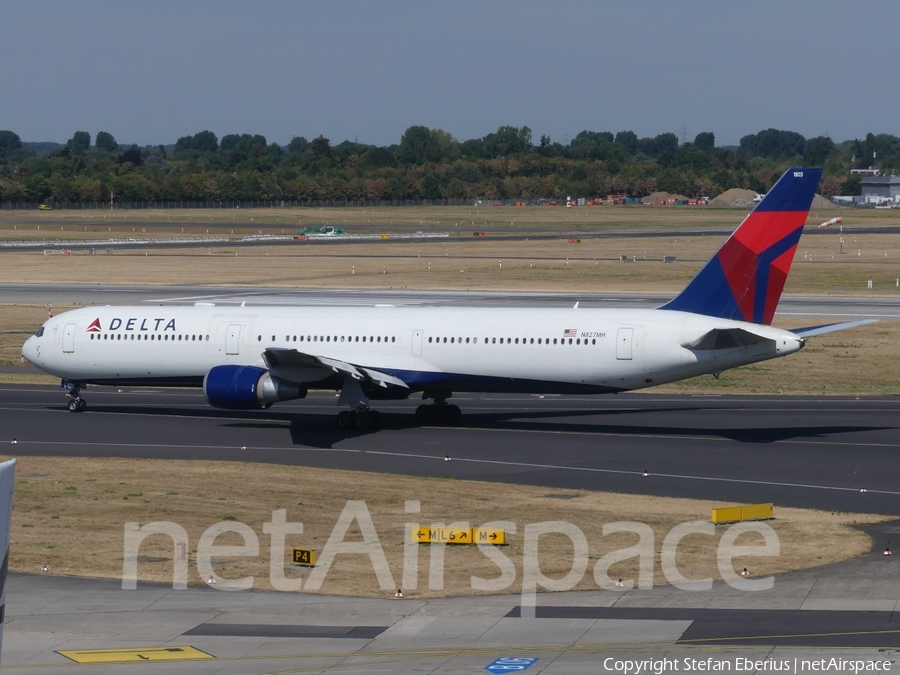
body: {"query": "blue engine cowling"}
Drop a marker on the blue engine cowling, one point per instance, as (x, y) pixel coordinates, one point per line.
(247, 388)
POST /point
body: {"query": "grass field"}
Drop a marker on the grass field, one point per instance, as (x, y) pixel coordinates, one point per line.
(461, 221)
(70, 514)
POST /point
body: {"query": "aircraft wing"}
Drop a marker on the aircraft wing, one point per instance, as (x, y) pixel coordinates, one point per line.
(291, 360)
(725, 338)
(829, 327)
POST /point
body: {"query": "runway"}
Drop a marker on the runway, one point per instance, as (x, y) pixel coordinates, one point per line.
(805, 452)
(825, 307)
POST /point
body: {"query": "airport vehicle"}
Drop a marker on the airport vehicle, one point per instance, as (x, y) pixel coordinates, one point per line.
(325, 230)
(251, 357)
(44, 207)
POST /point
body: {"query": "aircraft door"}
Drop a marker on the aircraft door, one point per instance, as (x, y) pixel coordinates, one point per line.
(417, 342)
(69, 338)
(624, 340)
(233, 340)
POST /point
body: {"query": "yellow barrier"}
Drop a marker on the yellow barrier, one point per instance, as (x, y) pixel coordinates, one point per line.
(726, 514)
(757, 512)
(735, 514)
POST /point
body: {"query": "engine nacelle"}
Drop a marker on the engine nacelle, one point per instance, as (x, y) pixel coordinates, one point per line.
(247, 388)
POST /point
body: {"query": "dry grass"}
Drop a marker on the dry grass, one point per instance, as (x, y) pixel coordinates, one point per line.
(70, 512)
(452, 218)
(465, 263)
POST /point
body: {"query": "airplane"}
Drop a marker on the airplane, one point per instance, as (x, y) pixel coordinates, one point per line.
(247, 358)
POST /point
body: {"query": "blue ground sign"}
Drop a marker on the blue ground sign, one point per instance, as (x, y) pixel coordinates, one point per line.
(510, 664)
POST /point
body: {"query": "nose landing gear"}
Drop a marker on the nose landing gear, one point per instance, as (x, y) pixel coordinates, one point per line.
(76, 403)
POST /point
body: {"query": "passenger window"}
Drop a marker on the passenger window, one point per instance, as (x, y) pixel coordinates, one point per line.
(494, 340)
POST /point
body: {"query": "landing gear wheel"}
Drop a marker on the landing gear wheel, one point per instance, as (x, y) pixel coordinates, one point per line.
(364, 421)
(77, 405)
(346, 419)
(426, 414)
(451, 415)
(448, 415)
(82, 405)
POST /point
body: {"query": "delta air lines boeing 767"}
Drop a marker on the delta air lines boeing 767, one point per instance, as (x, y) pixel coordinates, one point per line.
(251, 357)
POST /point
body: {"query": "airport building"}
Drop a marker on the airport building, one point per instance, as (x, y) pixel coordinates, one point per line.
(879, 188)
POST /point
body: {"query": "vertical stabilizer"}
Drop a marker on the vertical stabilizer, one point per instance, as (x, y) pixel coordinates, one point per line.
(744, 280)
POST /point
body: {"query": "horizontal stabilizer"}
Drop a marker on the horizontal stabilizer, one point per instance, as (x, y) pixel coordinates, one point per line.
(725, 338)
(830, 327)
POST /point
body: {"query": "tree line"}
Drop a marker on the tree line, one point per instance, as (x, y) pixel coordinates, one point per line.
(426, 164)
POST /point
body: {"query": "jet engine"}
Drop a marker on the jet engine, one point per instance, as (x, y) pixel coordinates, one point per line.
(247, 388)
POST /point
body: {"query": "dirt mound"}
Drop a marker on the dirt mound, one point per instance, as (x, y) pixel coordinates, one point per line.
(661, 197)
(820, 202)
(654, 197)
(734, 197)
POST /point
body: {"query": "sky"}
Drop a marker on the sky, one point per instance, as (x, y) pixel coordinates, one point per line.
(151, 72)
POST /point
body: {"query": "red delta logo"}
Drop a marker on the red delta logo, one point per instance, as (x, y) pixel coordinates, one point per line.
(95, 326)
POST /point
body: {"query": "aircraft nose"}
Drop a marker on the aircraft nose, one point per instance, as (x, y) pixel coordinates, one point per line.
(29, 349)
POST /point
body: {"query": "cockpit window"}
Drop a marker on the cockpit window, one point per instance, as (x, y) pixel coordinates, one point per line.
(40, 331)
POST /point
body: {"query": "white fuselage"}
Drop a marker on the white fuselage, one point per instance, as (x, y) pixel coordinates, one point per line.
(457, 349)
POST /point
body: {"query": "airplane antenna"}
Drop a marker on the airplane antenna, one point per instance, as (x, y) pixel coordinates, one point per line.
(243, 303)
(576, 304)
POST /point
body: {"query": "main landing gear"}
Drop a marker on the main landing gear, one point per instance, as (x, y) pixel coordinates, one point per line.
(76, 403)
(360, 416)
(440, 412)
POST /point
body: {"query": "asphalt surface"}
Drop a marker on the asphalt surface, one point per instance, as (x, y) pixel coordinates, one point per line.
(806, 452)
(825, 307)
